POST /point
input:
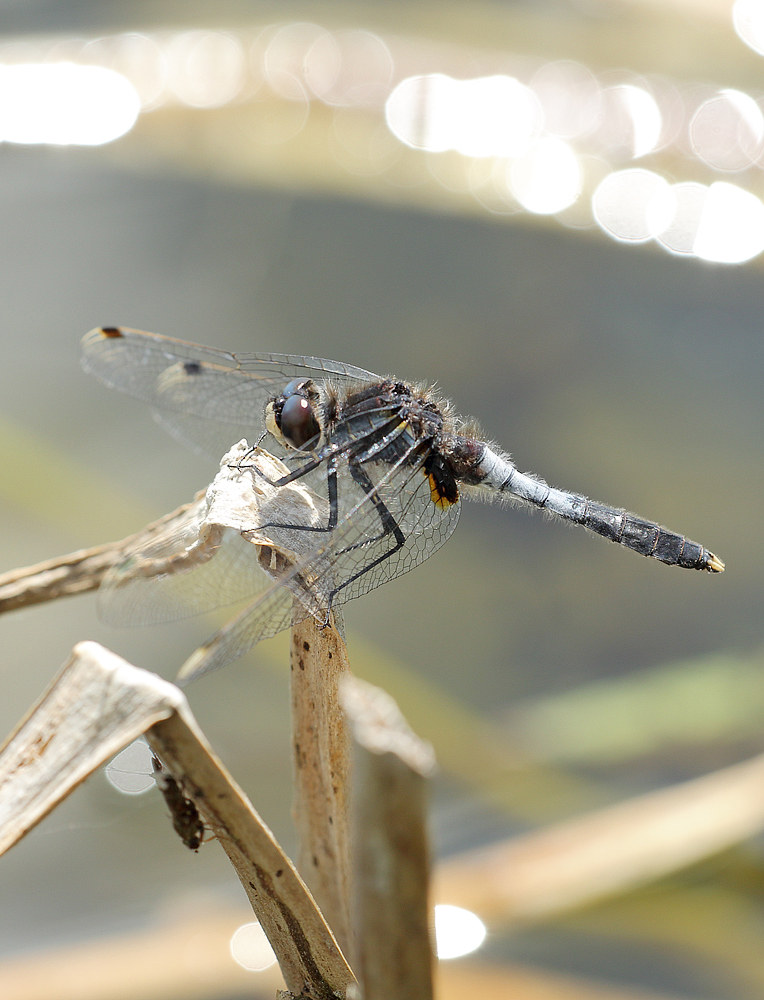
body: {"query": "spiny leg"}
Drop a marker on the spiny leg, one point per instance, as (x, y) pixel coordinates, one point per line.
(332, 452)
(314, 463)
(389, 527)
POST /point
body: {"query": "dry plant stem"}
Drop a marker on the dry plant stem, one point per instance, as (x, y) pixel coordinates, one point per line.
(75, 573)
(609, 851)
(309, 958)
(393, 956)
(97, 705)
(321, 748)
(91, 710)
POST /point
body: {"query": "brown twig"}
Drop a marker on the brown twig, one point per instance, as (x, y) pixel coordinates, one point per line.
(321, 750)
(233, 500)
(75, 573)
(308, 955)
(97, 705)
(393, 956)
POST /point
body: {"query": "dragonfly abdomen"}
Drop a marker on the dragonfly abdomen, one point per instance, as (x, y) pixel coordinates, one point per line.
(501, 477)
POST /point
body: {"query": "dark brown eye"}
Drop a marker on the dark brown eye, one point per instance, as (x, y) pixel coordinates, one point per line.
(297, 424)
(294, 386)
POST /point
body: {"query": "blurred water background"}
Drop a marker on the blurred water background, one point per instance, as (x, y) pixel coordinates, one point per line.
(629, 369)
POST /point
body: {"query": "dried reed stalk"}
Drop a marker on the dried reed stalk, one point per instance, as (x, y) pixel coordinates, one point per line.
(393, 955)
(98, 704)
(77, 572)
(321, 749)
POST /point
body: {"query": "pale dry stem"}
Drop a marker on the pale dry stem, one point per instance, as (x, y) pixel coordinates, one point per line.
(98, 704)
(393, 954)
(77, 572)
(321, 749)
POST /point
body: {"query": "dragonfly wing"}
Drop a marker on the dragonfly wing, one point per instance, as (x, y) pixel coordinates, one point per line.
(217, 552)
(180, 574)
(355, 557)
(206, 397)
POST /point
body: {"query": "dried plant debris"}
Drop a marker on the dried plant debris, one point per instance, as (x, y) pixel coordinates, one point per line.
(186, 820)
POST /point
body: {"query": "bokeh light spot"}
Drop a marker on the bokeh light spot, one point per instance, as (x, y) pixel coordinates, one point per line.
(251, 948)
(547, 178)
(631, 122)
(727, 131)
(570, 98)
(748, 19)
(137, 57)
(487, 116)
(622, 204)
(350, 68)
(285, 58)
(680, 209)
(457, 931)
(645, 116)
(489, 184)
(731, 227)
(130, 772)
(63, 104)
(206, 68)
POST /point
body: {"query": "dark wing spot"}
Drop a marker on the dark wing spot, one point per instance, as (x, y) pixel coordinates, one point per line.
(192, 367)
(111, 331)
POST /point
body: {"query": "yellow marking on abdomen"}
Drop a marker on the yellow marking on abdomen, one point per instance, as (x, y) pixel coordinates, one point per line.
(440, 500)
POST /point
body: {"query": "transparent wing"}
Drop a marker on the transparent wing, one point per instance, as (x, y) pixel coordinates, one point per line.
(217, 551)
(204, 397)
(355, 557)
(177, 575)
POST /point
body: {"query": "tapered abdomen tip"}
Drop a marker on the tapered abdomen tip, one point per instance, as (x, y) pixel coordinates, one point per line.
(714, 564)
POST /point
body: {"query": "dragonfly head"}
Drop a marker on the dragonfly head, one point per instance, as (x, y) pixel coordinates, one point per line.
(292, 416)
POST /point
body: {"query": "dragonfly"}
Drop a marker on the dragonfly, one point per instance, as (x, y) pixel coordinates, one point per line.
(388, 463)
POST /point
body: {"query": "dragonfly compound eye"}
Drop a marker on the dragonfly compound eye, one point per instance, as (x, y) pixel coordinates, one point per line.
(298, 425)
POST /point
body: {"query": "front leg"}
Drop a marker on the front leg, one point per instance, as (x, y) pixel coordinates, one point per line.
(331, 489)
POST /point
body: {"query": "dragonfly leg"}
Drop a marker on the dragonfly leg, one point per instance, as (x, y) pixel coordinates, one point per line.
(331, 489)
(389, 527)
(250, 451)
